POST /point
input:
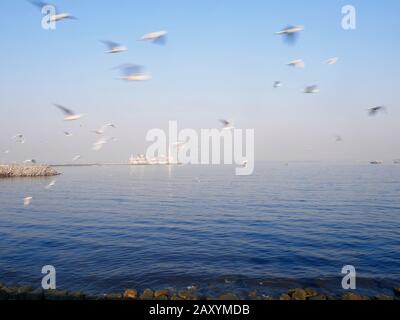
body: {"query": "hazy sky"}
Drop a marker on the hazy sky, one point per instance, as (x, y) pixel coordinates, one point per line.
(221, 60)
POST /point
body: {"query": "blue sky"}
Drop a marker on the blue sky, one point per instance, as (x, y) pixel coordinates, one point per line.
(220, 62)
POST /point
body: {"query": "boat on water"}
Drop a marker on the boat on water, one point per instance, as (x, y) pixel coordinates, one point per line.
(376, 162)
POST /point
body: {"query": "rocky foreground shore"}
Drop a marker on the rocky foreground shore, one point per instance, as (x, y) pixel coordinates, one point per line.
(28, 293)
(10, 171)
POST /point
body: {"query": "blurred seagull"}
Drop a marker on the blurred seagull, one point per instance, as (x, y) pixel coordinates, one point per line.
(55, 17)
(245, 163)
(19, 138)
(69, 114)
(332, 61)
(27, 201)
(131, 72)
(277, 84)
(375, 110)
(338, 138)
(290, 33)
(102, 130)
(228, 125)
(67, 134)
(114, 47)
(7, 151)
(297, 63)
(159, 37)
(33, 161)
(311, 89)
(51, 185)
(76, 158)
(99, 144)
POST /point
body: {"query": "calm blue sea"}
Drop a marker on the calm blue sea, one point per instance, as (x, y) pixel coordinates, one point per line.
(110, 228)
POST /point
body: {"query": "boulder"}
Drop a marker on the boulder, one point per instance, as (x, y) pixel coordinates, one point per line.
(147, 294)
(131, 294)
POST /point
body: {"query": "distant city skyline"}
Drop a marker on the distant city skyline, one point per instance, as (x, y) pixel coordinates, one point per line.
(220, 62)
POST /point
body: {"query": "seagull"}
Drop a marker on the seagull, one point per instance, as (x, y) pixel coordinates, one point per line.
(131, 72)
(245, 163)
(69, 114)
(332, 61)
(290, 33)
(67, 134)
(103, 128)
(338, 138)
(375, 110)
(7, 151)
(33, 161)
(19, 138)
(277, 84)
(56, 17)
(311, 89)
(228, 125)
(114, 47)
(297, 63)
(51, 184)
(27, 201)
(99, 144)
(76, 158)
(159, 37)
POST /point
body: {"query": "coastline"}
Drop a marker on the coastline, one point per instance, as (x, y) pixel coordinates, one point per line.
(190, 294)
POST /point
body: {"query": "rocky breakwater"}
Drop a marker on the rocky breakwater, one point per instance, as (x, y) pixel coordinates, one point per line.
(13, 171)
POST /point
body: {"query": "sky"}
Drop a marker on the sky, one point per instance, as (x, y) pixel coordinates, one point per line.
(221, 60)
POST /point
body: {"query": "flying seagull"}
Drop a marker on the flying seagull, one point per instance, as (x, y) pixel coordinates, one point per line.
(69, 114)
(99, 144)
(338, 138)
(103, 128)
(227, 125)
(76, 158)
(131, 72)
(290, 33)
(7, 151)
(67, 134)
(19, 138)
(33, 161)
(55, 17)
(114, 47)
(297, 63)
(375, 110)
(277, 84)
(311, 89)
(332, 61)
(51, 185)
(159, 37)
(27, 201)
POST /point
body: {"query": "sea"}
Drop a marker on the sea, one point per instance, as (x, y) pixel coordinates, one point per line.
(109, 228)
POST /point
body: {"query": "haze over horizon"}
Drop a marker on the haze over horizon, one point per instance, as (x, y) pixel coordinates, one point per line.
(221, 61)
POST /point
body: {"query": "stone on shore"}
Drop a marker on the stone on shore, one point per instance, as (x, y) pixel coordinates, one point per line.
(319, 297)
(285, 297)
(147, 294)
(298, 294)
(10, 171)
(352, 296)
(162, 294)
(397, 291)
(229, 297)
(131, 294)
(383, 297)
